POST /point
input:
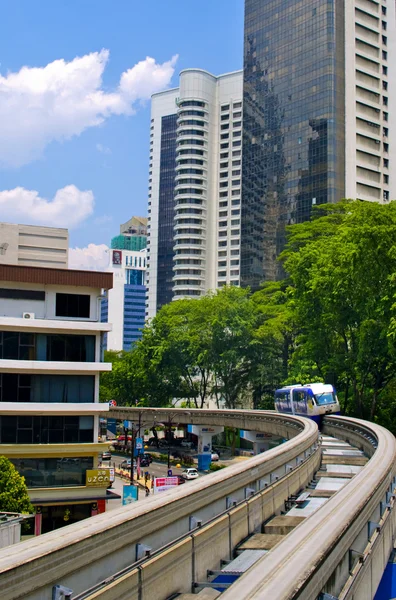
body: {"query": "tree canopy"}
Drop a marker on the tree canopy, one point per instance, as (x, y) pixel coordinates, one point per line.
(13, 492)
(333, 319)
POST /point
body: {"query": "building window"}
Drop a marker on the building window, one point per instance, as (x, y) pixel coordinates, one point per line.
(17, 346)
(73, 305)
(15, 294)
(72, 348)
(53, 472)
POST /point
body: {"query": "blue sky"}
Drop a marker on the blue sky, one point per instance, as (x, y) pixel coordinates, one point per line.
(55, 139)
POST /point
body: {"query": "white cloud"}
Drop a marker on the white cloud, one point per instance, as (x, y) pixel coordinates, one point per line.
(39, 105)
(95, 257)
(103, 149)
(68, 208)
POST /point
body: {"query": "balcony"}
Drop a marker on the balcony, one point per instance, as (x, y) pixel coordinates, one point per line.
(53, 367)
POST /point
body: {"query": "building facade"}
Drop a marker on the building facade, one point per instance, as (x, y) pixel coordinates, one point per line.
(318, 122)
(50, 361)
(194, 187)
(133, 235)
(125, 304)
(34, 246)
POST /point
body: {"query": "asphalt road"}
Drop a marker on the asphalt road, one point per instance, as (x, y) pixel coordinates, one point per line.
(157, 469)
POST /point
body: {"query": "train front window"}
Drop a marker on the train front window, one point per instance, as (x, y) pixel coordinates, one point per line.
(325, 398)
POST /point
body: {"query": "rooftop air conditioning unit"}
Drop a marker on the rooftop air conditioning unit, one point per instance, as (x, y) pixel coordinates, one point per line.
(28, 315)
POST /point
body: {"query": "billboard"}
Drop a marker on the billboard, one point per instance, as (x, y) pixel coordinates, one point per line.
(161, 484)
(129, 494)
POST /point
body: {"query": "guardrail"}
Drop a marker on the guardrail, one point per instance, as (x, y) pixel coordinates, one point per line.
(83, 554)
(342, 549)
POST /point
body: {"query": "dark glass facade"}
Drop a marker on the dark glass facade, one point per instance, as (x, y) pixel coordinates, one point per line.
(166, 210)
(293, 122)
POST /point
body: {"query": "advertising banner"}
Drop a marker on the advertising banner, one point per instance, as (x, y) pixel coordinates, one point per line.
(129, 494)
(161, 484)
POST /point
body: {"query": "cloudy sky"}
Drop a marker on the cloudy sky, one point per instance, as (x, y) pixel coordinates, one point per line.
(76, 78)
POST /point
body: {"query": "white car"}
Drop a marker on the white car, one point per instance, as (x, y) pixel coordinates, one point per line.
(190, 473)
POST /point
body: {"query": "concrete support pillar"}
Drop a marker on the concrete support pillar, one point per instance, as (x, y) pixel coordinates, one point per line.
(205, 435)
(261, 441)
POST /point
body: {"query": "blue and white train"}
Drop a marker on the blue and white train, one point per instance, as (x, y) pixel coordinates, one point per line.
(312, 400)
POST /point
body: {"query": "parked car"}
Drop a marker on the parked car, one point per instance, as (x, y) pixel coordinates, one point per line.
(187, 444)
(126, 464)
(214, 457)
(190, 473)
(106, 455)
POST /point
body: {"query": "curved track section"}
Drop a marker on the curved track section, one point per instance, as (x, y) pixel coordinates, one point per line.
(83, 554)
(332, 550)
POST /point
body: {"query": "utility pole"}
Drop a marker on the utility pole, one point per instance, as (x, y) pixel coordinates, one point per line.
(135, 433)
(132, 451)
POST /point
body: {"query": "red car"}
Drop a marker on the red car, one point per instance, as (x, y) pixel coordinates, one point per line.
(180, 479)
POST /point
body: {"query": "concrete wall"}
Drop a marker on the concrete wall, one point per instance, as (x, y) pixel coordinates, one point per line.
(78, 556)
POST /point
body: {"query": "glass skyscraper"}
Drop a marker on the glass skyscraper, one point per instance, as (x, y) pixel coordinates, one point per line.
(315, 116)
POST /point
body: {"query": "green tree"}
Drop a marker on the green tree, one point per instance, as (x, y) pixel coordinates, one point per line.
(341, 266)
(273, 342)
(13, 492)
(183, 339)
(232, 321)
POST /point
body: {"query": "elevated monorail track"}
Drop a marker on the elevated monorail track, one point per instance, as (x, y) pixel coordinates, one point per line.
(188, 530)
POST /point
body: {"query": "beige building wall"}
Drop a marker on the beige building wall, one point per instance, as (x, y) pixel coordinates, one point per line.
(34, 246)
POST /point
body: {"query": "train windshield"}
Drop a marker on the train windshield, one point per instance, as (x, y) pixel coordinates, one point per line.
(325, 398)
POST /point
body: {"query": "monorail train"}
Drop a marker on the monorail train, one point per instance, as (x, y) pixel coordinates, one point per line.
(312, 400)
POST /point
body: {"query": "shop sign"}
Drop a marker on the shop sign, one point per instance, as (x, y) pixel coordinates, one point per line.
(97, 478)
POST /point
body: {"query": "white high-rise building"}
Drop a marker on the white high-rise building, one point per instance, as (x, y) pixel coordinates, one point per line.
(194, 187)
(370, 99)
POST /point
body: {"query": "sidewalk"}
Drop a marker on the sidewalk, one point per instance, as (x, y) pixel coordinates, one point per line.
(118, 485)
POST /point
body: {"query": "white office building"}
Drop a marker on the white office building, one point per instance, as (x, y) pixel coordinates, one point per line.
(50, 363)
(194, 187)
(124, 305)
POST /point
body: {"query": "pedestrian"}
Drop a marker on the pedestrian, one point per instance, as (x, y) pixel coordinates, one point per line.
(147, 491)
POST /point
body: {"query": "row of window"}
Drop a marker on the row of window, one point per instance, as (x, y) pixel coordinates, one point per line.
(226, 107)
(66, 305)
(53, 472)
(46, 430)
(46, 347)
(16, 387)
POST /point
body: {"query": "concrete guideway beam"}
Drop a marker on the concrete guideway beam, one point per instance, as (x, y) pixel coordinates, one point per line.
(301, 568)
(82, 554)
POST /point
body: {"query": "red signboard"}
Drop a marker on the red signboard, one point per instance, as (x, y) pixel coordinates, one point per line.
(161, 484)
